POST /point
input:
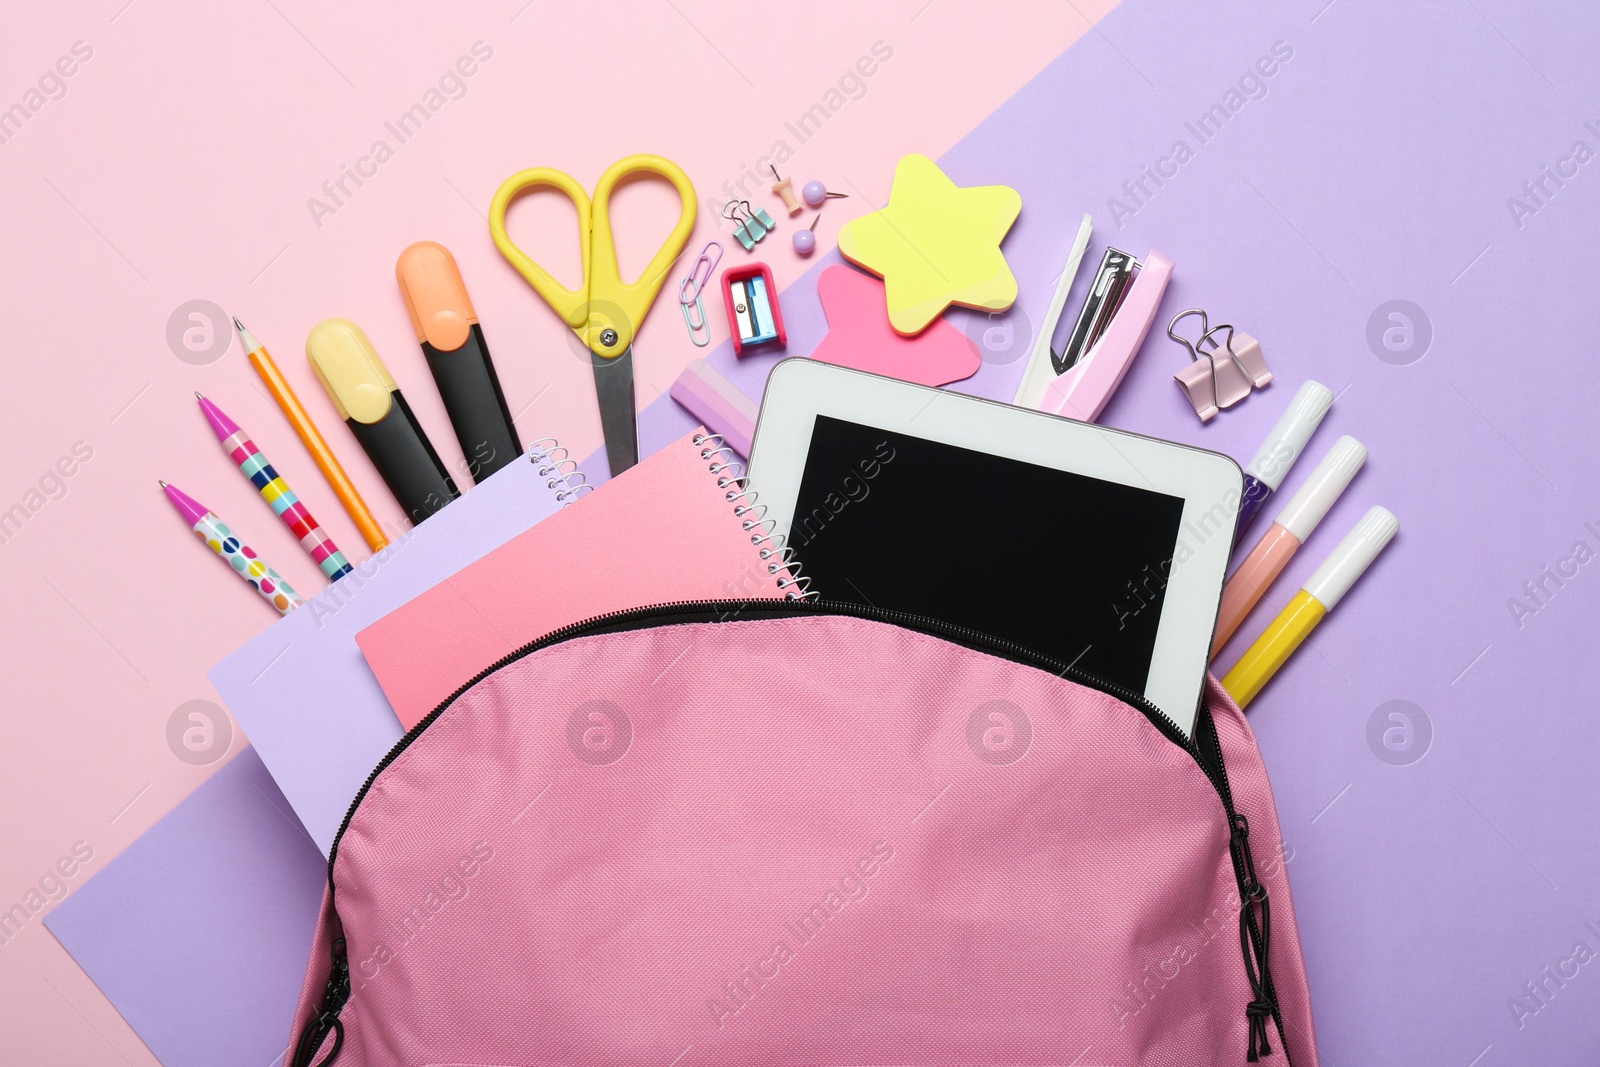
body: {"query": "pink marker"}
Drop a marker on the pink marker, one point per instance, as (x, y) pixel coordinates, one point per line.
(1288, 532)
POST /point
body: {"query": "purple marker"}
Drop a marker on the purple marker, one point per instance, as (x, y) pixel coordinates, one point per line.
(1281, 448)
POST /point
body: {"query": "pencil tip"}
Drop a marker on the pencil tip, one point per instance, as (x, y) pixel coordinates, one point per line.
(246, 338)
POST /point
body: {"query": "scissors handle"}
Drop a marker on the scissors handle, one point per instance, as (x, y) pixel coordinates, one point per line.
(607, 313)
(570, 305)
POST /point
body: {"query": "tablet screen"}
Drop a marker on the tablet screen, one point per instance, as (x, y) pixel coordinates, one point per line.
(1067, 565)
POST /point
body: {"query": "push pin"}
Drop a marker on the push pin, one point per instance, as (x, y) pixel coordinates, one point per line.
(1223, 374)
(785, 191)
(805, 241)
(814, 193)
(750, 224)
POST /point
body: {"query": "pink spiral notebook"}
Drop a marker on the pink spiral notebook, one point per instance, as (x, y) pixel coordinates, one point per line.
(664, 531)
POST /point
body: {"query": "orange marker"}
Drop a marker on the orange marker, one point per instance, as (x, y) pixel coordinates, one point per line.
(1289, 531)
(327, 462)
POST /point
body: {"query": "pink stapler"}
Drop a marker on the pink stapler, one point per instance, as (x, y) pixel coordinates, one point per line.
(1113, 323)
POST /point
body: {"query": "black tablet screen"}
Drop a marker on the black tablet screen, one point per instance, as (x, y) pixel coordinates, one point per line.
(1067, 565)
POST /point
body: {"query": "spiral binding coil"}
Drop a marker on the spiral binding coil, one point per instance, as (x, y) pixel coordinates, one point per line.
(778, 556)
(559, 470)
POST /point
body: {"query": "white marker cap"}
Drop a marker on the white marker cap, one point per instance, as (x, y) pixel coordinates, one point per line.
(1319, 492)
(1295, 427)
(1335, 575)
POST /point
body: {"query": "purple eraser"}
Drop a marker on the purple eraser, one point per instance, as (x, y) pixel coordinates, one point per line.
(717, 403)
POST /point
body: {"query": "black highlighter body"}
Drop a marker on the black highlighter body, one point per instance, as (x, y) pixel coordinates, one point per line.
(406, 459)
(471, 393)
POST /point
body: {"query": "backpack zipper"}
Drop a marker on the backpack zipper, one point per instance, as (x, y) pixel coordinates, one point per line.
(334, 994)
(1254, 939)
(1253, 935)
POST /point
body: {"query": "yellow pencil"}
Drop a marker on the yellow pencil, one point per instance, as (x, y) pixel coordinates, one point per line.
(327, 462)
(1321, 594)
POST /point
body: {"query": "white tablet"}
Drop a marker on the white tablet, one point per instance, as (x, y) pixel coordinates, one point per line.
(1099, 548)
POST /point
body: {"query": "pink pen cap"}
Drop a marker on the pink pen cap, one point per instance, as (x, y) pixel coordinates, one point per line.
(1289, 530)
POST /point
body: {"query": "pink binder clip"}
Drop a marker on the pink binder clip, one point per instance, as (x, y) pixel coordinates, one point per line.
(1220, 375)
(1246, 351)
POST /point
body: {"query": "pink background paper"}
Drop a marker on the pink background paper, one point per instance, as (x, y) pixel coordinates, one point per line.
(658, 533)
(177, 167)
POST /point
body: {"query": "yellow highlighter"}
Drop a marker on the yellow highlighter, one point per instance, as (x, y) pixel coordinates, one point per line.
(1321, 594)
(371, 405)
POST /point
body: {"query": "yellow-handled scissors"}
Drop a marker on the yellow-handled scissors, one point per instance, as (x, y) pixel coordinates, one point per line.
(606, 312)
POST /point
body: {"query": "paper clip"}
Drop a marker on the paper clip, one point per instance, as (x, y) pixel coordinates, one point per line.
(690, 290)
(699, 331)
(700, 274)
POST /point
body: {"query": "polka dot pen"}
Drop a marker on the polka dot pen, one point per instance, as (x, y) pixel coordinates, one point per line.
(240, 557)
(276, 492)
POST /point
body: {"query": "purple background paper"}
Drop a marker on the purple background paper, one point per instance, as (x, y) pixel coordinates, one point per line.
(1376, 167)
(199, 931)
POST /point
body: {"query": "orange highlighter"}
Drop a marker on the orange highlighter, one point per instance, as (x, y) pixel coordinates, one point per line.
(1289, 530)
(452, 341)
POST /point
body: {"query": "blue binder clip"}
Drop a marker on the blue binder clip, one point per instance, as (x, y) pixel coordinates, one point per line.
(750, 225)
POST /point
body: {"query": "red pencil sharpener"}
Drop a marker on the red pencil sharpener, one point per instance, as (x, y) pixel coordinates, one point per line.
(751, 299)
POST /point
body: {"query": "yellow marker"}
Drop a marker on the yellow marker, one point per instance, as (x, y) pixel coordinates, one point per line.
(1321, 594)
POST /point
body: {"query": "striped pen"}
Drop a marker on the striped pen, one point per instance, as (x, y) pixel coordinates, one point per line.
(276, 492)
(240, 556)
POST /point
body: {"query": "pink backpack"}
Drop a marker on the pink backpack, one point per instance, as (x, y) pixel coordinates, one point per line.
(774, 832)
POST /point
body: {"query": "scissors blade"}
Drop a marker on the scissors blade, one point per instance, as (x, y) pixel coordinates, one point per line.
(613, 387)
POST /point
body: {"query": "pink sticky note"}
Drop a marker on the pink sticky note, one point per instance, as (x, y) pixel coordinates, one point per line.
(860, 337)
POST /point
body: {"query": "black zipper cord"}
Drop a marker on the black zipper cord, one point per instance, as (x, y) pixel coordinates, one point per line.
(334, 994)
(683, 612)
(1253, 940)
(1253, 935)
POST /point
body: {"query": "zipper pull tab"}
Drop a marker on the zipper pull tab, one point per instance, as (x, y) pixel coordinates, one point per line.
(334, 994)
(1253, 938)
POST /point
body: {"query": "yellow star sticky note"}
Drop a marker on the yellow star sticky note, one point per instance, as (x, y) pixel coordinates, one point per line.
(935, 244)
